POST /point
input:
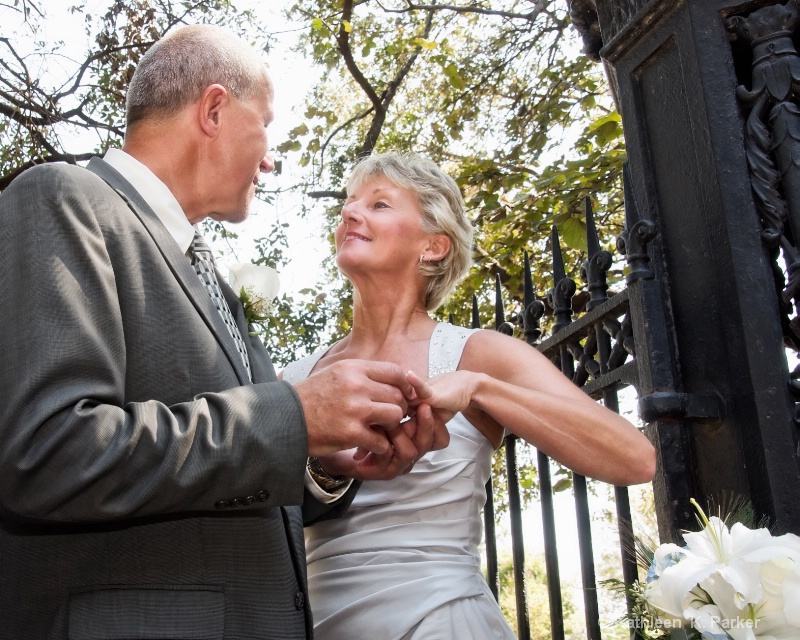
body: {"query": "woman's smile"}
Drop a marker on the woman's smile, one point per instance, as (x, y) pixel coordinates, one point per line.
(352, 235)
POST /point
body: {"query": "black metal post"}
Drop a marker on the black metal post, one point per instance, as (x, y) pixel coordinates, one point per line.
(533, 312)
(514, 501)
(561, 297)
(715, 382)
(490, 535)
(594, 274)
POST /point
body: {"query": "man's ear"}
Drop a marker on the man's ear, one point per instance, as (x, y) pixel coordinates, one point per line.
(438, 247)
(210, 107)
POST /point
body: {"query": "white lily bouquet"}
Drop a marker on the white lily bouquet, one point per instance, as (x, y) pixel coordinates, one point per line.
(726, 583)
(258, 286)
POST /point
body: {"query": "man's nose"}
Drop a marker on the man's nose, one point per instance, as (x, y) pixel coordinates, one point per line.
(267, 164)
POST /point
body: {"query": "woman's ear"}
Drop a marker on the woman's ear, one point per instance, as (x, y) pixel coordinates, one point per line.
(438, 247)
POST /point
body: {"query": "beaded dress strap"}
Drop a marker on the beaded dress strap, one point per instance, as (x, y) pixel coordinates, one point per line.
(301, 369)
(447, 345)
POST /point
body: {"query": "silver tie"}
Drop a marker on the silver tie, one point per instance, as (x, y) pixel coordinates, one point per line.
(203, 263)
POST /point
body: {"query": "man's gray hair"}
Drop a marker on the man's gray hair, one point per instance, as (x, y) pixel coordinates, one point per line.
(443, 212)
(177, 69)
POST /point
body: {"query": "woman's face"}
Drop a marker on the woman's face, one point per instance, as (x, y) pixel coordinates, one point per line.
(380, 229)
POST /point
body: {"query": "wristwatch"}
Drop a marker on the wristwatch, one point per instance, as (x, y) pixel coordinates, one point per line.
(326, 481)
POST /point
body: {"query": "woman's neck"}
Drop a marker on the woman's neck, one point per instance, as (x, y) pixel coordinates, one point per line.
(387, 318)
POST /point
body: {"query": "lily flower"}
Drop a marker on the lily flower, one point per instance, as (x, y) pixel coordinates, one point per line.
(726, 583)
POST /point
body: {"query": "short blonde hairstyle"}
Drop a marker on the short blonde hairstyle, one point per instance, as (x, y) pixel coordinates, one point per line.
(443, 212)
(177, 69)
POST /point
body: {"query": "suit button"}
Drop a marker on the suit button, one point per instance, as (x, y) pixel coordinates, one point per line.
(222, 504)
(236, 502)
(262, 496)
(249, 500)
(299, 601)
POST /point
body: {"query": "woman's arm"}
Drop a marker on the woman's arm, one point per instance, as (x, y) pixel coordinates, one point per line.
(506, 381)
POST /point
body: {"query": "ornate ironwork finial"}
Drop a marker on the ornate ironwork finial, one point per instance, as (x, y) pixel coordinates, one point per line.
(560, 296)
(599, 262)
(583, 14)
(772, 116)
(534, 309)
(634, 240)
(772, 139)
(500, 323)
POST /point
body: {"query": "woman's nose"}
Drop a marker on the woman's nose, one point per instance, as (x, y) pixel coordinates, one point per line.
(350, 212)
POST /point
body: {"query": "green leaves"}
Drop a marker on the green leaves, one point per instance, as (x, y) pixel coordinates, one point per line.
(606, 129)
(455, 79)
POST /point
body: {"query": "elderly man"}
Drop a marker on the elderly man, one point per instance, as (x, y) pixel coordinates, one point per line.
(150, 463)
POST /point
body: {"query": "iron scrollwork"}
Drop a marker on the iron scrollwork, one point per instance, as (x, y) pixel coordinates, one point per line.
(772, 140)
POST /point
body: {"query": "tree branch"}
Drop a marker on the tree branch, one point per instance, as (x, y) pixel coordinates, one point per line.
(27, 7)
(339, 195)
(379, 119)
(78, 77)
(343, 44)
(537, 10)
(344, 125)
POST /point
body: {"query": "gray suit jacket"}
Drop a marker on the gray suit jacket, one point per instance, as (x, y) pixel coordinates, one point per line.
(146, 487)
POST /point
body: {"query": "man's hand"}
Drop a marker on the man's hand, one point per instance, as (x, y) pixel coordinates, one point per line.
(410, 441)
(356, 403)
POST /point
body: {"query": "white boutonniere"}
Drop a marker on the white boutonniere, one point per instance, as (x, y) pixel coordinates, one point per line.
(257, 286)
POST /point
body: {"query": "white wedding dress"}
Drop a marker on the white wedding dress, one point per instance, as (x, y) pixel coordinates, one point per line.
(403, 562)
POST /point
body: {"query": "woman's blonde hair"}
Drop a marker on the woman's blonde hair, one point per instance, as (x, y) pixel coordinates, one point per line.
(443, 212)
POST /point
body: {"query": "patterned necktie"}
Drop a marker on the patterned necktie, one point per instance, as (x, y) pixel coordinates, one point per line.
(203, 263)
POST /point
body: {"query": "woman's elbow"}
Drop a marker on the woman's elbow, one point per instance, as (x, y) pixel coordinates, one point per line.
(642, 465)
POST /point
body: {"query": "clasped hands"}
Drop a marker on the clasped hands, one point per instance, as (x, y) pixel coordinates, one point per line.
(373, 421)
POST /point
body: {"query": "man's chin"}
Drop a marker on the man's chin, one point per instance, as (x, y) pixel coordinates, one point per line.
(231, 217)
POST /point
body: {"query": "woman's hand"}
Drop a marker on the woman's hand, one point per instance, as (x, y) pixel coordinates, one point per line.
(447, 394)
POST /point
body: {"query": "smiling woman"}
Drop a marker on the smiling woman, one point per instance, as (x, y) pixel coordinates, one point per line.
(406, 553)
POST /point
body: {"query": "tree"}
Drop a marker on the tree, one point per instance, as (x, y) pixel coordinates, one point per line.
(497, 92)
(537, 598)
(54, 98)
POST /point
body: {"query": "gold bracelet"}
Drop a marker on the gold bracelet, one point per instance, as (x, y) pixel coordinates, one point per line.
(326, 481)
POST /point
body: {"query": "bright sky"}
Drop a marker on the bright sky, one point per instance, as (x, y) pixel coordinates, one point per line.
(293, 78)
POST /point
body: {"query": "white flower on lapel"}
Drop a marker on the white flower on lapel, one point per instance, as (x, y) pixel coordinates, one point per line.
(257, 286)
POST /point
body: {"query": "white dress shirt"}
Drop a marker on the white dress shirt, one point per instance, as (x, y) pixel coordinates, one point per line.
(156, 194)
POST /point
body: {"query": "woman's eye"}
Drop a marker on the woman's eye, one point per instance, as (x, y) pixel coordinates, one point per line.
(380, 204)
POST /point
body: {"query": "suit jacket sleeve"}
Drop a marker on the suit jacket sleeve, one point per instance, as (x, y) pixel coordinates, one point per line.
(115, 398)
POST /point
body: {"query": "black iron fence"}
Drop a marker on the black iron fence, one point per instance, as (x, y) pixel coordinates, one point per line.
(597, 350)
(709, 95)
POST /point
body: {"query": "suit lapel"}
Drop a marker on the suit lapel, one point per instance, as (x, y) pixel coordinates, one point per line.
(178, 263)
